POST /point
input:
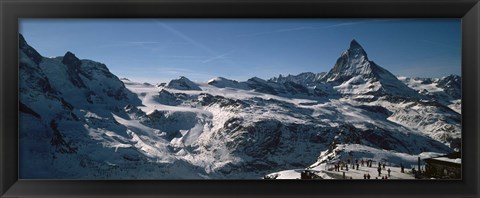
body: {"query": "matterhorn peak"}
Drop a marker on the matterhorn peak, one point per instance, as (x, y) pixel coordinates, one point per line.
(355, 44)
(355, 51)
(352, 62)
(353, 68)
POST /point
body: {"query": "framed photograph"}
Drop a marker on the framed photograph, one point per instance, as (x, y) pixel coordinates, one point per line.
(239, 99)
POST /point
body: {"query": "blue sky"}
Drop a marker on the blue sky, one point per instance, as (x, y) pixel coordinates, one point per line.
(157, 50)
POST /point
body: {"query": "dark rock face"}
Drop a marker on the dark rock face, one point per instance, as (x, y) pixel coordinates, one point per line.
(207, 99)
(70, 59)
(257, 139)
(37, 80)
(29, 51)
(58, 140)
(174, 99)
(73, 64)
(376, 109)
(32, 73)
(23, 108)
(171, 122)
(118, 94)
(261, 86)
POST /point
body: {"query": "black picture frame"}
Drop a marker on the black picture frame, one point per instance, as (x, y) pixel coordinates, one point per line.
(11, 11)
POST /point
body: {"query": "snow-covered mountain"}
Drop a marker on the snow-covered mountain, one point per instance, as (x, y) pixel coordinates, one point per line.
(354, 74)
(182, 83)
(306, 78)
(78, 120)
(446, 90)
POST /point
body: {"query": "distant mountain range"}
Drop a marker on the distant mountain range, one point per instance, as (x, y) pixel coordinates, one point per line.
(80, 121)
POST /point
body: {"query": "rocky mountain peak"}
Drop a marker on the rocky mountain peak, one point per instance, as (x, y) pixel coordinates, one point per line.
(351, 63)
(356, 50)
(28, 50)
(353, 68)
(183, 83)
(355, 44)
(22, 42)
(452, 85)
(70, 59)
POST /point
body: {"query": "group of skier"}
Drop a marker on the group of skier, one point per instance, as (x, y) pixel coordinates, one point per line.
(355, 164)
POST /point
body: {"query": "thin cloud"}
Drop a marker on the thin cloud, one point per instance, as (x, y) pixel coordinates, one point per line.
(302, 28)
(131, 43)
(343, 24)
(186, 38)
(221, 56)
(215, 55)
(280, 30)
(180, 57)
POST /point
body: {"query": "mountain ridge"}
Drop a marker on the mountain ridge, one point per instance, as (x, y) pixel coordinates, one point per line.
(96, 125)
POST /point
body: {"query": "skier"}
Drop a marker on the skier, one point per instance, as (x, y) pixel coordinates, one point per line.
(363, 162)
(364, 176)
(401, 167)
(384, 165)
(368, 175)
(379, 171)
(357, 166)
(389, 172)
